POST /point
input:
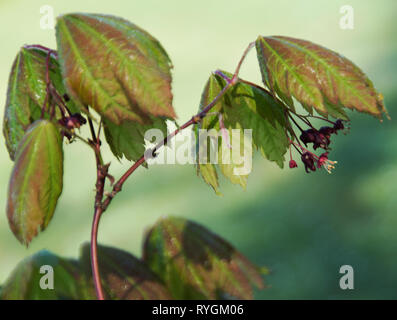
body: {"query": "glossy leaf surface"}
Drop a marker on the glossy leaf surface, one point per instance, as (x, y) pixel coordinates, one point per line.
(114, 67)
(36, 180)
(317, 77)
(26, 93)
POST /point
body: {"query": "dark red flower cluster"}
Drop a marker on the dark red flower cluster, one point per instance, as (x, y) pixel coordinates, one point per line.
(321, 139)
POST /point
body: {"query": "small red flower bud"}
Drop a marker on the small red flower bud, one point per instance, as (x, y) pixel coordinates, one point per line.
(292, 164)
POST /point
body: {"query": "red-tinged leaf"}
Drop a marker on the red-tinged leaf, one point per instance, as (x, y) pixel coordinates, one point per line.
(36, 180)
(196, 263)
(115, 67)
(26, 93)
(124, 277)
(317, 77)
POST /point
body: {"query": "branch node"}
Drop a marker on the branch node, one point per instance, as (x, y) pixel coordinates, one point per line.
(116, 189)
(197, 118)
(234, 80)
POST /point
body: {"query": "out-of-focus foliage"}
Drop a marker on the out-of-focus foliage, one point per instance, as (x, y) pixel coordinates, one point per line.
(196, 263)
(182, 260)
(29, 281)
(47, 276)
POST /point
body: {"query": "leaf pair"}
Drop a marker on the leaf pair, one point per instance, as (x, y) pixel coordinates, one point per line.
(181, 260)
(34, 143)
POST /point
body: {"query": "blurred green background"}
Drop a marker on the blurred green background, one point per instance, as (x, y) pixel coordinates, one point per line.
(303, 227)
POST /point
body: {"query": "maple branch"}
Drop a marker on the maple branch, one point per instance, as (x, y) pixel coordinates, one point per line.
(102, 171)
(195, 119)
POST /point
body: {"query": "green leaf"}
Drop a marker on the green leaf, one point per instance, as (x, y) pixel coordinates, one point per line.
(26, 93)
(210, 176)
(123, 276)
(24, 282)
(36, 180)
(244, 106)
(115, 67)
(196, 263)
(317, 77)
(127, 138)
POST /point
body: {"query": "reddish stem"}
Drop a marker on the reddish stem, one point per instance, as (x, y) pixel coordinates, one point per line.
(94, 254)
(302, 148)
(321, 118)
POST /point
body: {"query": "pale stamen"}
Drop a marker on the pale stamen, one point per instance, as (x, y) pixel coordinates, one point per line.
(329, 165)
